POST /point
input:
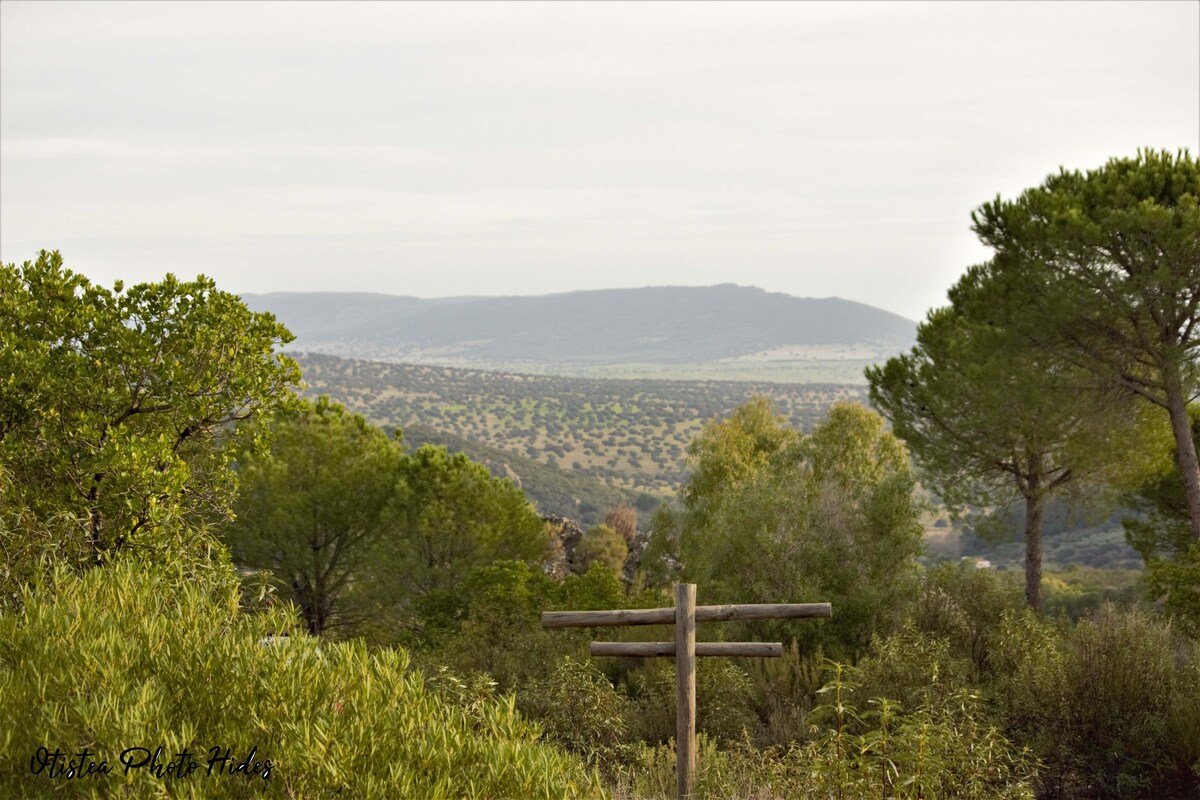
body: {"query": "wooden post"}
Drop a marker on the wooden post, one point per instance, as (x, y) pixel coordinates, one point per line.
(684, 650)
(685, 687)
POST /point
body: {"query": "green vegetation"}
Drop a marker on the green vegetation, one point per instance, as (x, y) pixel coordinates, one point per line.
(133, 656)
(1111, 704)
(117, 408)
(336, 498)
(765, 498)
(993, 422)
(1101, 270)
(554, 490)
(132, 424)
(1068, 538)
(604, 546)
(631, 435)
(310, 513)
(1161, 534)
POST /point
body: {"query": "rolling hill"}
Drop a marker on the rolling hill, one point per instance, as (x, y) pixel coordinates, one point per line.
(717, 331)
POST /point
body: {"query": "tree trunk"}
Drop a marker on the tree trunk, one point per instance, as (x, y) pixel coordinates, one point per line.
(1185, 449)
(1033, 546)
(308, 601)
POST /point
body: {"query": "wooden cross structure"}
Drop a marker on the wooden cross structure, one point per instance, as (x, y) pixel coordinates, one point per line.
(684, 650)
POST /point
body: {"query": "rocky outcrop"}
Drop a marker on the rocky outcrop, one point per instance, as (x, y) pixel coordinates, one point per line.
(565, 534)
(564, 538)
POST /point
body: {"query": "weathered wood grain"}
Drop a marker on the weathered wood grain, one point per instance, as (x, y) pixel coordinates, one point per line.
(666, 616)
(703, 649)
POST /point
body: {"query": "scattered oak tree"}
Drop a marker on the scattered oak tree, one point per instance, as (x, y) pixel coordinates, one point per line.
(360, 533)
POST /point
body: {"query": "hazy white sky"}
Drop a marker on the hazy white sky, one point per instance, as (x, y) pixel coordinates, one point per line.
(510, 148)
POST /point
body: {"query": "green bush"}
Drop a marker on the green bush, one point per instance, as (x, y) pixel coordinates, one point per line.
(1077, 592)
(126, 657)
(580, 711)
(601, 545)
(784, 690)
(724, 701)
(733, 772)
(943, 749)
(964, 604)
(1112, 704)
(492, 622)
(912, 669)
(1177, 582)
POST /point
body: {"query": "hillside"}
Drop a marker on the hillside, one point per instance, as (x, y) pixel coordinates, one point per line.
(724, 330)
(554, 490)
(626, 434)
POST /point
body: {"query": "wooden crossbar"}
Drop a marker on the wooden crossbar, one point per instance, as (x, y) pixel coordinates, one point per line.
(685, 649)
(666, 616)
(667, 649)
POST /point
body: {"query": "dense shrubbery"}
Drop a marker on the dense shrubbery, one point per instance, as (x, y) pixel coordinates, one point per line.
(1112, 704)
(945, 747)
(130, 657)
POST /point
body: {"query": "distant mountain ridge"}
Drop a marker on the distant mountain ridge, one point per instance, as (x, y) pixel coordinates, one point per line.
(663, 325)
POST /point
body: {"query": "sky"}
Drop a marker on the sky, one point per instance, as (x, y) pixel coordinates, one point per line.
(453, 148)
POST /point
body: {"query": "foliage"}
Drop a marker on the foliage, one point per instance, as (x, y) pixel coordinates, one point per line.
(624, 520)
(1158, 528)
(601, 545)
(362, 534)
(1178, 582)
(492, 622)
(911, 668)
(28, 545)
(941, 749)
(964, 604)
(555, 490)
(450, 515)
(659, 565)
(1111, 704)
(992, 420)
(134, 657)
(309, 512)
(611, 439)
(731, 451)
(1102, 269)
(944, 748)
(1067, 538)
(828, 517)
(1078, 592)
(117, 406)
(784, 691)
(580, 711)
(723, 701)
(1161, 533)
